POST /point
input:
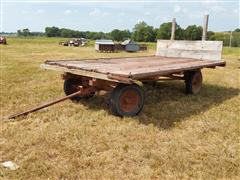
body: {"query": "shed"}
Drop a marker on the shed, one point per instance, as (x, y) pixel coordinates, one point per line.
(104, 45)
(130, 45)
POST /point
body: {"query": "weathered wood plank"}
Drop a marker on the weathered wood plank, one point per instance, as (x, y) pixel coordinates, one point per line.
(160, 70)
(78, 72)
(190, 45)
(173, 69)
(203, 50)
(197, 54)
(106, 68)
(108, 59)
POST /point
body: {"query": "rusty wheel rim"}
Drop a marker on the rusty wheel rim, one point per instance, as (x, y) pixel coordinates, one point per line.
(197, 83)
(129, 101)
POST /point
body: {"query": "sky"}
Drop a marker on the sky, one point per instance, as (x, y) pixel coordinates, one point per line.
(108, 15)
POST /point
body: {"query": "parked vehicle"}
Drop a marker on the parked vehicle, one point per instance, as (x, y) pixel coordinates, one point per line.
(3, 40)
(74, 42)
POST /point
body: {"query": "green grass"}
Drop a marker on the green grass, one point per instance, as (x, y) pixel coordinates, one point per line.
(175, 136)
(234, 52)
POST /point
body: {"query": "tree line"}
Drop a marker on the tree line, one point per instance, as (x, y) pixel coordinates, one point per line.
(26, 32)
(141, 32)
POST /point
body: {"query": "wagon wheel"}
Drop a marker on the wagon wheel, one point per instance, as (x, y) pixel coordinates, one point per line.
(72, 85)
(126, 100)
(193, 81)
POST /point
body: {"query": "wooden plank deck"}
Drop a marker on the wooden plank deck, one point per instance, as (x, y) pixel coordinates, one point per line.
(132, 67)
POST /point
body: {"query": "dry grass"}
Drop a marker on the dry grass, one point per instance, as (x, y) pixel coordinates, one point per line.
(176, 136)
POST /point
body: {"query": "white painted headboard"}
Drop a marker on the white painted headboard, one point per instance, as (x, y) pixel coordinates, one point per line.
(203, 50)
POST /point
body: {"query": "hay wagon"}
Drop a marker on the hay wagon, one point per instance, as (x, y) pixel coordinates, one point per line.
(123, 77)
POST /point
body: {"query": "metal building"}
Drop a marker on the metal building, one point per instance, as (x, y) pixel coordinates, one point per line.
(130, 46)
(104, 45)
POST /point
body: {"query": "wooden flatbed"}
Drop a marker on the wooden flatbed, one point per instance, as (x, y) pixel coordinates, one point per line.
(181, 60)
(135, 68)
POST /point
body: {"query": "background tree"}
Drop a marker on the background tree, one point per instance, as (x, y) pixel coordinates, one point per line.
(149, 34)
(25, 32)
(68, 33)
(116, 35)
(237, 30)
(193, 32)
(143, 33)
(19, 32)
(165, 30)
(126, 34)
(79, 34)
(138, 31)
(235, 39)
(179, 34)
(211, 35)
(119, 35)
(96, 35)
(52, 31)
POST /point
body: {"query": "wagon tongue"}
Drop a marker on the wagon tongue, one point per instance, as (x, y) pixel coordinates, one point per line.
(45, 105)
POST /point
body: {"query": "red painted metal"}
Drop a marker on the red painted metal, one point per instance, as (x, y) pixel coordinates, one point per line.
(129, 101)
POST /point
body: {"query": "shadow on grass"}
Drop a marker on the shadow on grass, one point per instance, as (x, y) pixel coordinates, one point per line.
(166, 102)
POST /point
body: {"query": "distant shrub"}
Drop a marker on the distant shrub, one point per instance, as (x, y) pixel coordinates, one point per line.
(225, 37)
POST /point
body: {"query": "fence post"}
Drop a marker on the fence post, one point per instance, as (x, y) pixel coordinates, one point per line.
(230, 39)
(173, 28)
(205, 27)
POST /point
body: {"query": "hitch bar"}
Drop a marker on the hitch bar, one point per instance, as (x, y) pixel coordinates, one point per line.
(45, 105)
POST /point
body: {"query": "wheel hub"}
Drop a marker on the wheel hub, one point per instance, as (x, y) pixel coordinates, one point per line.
(129, 101)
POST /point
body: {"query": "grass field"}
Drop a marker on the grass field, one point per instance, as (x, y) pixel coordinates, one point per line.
(176, 135)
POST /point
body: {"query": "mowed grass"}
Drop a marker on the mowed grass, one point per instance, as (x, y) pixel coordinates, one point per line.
(175, 136)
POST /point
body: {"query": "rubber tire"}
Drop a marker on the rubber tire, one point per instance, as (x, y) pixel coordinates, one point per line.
(115, 98)
(189, 77)
(68, 83)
